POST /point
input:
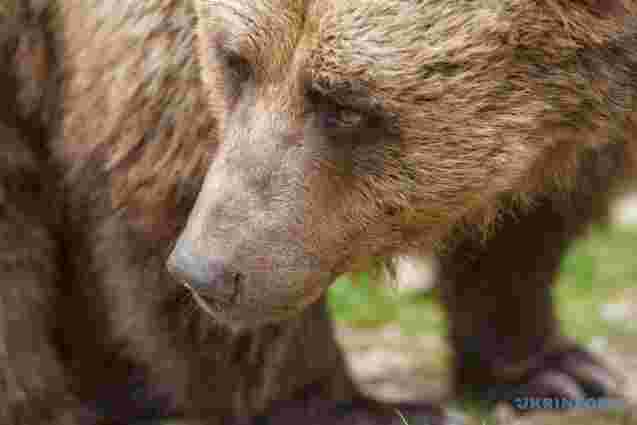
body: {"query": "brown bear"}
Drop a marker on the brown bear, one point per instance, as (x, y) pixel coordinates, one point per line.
(93, 329)
(185, 178)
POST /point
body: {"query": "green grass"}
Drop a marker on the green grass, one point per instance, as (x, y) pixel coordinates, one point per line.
(600, 269)
(369, 304)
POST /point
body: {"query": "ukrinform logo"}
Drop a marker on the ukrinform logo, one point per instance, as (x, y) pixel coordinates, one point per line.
(531, 403)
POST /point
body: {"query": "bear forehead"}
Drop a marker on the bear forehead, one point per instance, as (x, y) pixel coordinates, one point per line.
(364, 40)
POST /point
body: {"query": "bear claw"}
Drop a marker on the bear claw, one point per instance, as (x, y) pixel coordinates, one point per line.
(573, 374)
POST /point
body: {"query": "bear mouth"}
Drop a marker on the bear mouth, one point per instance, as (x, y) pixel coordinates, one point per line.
(208, 304)
(238, 316)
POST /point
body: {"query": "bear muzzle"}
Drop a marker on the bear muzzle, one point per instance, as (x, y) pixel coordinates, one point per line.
(208, 277)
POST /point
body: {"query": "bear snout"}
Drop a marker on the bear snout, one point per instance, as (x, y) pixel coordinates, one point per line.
(209, 277)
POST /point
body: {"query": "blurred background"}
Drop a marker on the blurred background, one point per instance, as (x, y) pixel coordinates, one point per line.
(394, 337)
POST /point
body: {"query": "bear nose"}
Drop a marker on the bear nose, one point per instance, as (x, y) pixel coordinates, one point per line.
(207, 276)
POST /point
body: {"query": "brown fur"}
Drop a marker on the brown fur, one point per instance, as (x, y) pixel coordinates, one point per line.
(460, 125)
(460, 104)
(33, 383)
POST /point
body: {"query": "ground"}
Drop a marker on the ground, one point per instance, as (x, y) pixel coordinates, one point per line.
(407, 366)
(396, 348)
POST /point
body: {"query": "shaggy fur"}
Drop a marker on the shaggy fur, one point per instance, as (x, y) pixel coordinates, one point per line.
(292, 141)
(33, 383)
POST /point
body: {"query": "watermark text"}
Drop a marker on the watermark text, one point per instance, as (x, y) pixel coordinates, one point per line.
(533, 403)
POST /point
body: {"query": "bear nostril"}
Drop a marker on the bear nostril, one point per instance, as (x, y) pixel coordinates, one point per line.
(208, 277)
(238, 281)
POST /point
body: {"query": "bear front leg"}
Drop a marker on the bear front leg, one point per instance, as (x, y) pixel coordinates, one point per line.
(503, 329)
(32, 380)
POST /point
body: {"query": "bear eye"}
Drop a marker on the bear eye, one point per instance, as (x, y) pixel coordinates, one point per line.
(238, 68)
(334, 114)
(340, 117)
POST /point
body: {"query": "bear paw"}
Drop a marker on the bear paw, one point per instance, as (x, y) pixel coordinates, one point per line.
(560, 380)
